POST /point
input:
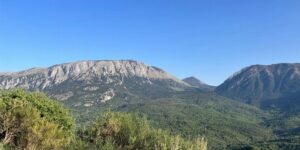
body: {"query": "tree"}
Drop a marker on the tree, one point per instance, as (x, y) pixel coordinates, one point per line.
(32, 121)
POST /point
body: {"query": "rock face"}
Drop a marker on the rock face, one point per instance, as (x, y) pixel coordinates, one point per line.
(193, 81)
(41, 78)
(276, 84)
(89, 83)
(108, 95)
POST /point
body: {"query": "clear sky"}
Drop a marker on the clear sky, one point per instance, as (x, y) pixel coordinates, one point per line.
(209, 39)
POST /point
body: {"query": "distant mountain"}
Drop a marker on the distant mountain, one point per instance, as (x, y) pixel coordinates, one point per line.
(193, 81)
(92, 78)
(276, 85)
(105, 71)
(88, 85)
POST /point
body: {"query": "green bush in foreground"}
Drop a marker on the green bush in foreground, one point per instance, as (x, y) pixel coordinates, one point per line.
(31, 121)
(114, 130)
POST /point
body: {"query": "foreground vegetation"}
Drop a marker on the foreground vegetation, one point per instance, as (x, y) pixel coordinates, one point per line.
(114, 130)
(31, 121)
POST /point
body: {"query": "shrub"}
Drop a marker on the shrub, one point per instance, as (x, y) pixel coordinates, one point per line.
(115, 130)
(32, 121)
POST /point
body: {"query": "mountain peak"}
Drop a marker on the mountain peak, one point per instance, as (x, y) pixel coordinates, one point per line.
(195, 82)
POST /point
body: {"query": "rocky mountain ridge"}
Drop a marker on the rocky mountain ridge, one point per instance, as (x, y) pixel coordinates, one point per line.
(41, 78)
(258, 83)
(91, 84)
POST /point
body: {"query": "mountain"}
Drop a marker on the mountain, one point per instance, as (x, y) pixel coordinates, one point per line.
(91, 87)
(276, 90)
(88, 86)
(104, 71)
(276, 85)
(61, 81)
(194, 82)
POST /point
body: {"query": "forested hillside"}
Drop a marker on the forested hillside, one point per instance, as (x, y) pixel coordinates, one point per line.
(31, 121)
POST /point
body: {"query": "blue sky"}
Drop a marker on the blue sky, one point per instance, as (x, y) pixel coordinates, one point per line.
(208, 39)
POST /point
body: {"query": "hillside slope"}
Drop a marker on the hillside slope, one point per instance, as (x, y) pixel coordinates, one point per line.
(265, 85)
(275, 89)
(224, 122)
